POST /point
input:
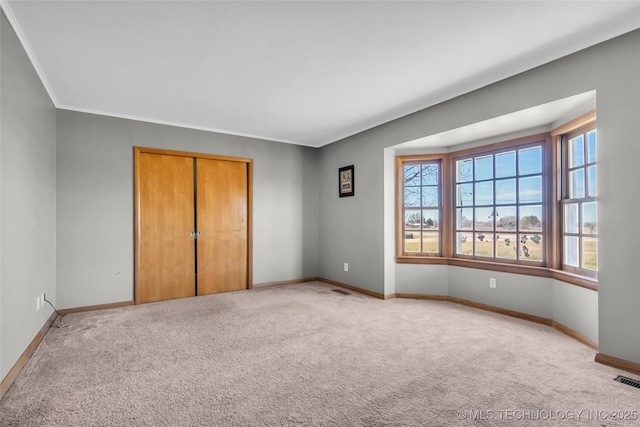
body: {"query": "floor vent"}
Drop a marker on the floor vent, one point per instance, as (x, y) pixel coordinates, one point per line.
(627, 381)
(340, 291)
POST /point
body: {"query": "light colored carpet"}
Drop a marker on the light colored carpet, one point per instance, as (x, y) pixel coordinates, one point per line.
(305, 355)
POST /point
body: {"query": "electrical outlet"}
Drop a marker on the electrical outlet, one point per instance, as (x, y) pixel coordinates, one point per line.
(38, 303)
(492, 283)
(346, 267)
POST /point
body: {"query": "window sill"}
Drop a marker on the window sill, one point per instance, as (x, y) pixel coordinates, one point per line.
(564, 276)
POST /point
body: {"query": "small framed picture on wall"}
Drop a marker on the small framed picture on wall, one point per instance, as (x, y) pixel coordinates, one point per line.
(345, 181)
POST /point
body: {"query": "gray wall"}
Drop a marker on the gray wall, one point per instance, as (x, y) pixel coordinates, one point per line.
(352, 228)
(27, 197)
(355, 228)
(95, 203)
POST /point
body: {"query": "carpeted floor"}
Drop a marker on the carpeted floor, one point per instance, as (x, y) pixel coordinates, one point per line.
(305, 355)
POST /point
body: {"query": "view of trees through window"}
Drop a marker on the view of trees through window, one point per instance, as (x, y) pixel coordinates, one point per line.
(422, 207)
(499, 210)
(530, 201)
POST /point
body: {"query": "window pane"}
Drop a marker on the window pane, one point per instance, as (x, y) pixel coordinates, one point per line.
(571, 218)
(411, 174)
(531, 218)
(576, 151)
(590, 253)
(530, 161)
(571, 250)
(464, 244)
(506, 164)
(464, 196)
(576, 184)
(484, 244)
(590, 218)
(505, 191)
(412, 219)
(411, 241)
(430, 196)
(530, 189)
(484, 193)
(430, 242)
(412, 196)
(430, 174)
(464, 170)
(506, 218)
(530, 247)
(484, 219)
(591, 146)
(431, 218)
(506, 246)
(464, 219)
(484, 168)
(592, 176)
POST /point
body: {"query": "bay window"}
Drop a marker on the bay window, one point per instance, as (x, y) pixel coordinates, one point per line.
(524, 206)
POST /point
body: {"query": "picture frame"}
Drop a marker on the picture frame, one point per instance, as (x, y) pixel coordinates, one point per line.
(346, 180)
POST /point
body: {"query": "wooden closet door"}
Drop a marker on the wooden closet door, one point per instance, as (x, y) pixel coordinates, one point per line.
(222, 207)
(166, 252)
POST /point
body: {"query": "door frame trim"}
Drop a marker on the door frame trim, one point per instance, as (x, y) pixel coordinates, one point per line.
(137, 151)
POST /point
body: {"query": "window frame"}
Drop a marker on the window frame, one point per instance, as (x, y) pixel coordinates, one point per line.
(421, 207)
(518, 145)
(552, 209)
(567, 200)
(401, 161)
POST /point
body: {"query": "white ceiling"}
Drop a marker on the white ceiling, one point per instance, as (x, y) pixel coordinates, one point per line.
(544, 118)
(302, 72)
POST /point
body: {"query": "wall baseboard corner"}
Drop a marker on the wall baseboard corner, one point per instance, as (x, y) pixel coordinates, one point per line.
(575, 334)
(618, 363)
(24, 358)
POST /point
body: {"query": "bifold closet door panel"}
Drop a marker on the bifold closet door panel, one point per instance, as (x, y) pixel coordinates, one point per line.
(166, 215)
(222, 217)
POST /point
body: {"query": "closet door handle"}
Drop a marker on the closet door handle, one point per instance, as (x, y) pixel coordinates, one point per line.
(192, 234)
(198, 234)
